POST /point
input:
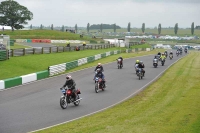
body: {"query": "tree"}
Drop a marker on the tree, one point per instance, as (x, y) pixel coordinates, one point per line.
(76, 28)
(114, 27)
(41, 27)
(13, 14)
(159, 28)
(31, 26)
(176, 28)
(88, 27)
(63, 28)
(101, 28)
(192, 28)
(129, 27)
(51, 26)
(143, 27)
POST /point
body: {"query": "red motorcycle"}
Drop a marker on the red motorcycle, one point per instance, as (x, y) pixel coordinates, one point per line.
(99, 85)
(69, 97)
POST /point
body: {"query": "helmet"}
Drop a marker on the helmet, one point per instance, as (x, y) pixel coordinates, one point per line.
(163, 53)
(68, 77)
(99, 64)
(141, 62)
(137, 61)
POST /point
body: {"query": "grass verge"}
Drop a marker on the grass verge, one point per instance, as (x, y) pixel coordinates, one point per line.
(169, 105)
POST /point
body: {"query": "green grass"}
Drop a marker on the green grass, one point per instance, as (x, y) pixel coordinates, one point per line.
(44, 34)
(17, 46)
(141, 46)
(169, 105)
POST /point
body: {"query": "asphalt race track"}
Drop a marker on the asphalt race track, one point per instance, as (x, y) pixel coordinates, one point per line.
(36, 105)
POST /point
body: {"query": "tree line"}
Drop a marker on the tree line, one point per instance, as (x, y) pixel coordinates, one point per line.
(15, 15)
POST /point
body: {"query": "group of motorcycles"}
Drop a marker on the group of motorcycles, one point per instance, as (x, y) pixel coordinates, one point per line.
(69, 97)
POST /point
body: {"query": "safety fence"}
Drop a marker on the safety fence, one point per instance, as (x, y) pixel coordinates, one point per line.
(137, 50)
(47, 41)
(56, 49)
(3, 55)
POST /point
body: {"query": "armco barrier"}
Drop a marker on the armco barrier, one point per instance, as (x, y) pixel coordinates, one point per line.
(2, 84)
(103, 55)
(56, 69)
(82, 61)
(29, 40)
(90, 59)
(13, 82)
(108, 53)
(98, 56)
(29, 78)
(42, 74)
(21, 40)
(72, 64)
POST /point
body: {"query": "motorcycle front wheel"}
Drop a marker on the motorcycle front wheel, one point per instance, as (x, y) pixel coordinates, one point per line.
(96, 88)
(63, 103)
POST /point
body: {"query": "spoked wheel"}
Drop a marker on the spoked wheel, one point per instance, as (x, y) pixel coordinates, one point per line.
(63, 103)
(96, 88)
(78, 101)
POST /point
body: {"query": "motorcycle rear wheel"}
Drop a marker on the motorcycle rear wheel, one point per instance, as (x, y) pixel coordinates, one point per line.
(77, 102)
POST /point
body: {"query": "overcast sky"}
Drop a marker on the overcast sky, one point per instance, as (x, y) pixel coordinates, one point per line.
(121, 12)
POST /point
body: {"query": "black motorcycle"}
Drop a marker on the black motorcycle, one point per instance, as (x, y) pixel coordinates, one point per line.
(162, 62)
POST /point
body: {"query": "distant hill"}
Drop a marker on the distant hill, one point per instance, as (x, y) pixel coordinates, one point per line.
(104, 26)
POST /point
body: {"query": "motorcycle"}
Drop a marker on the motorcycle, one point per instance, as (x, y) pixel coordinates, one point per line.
(136, 68)
(69, 97)
(162, 62)
(166, 55)
(119, 63)
(185, 51)
(170, 56)
(158, 57)
(155, 63)
(177, 53)
(140, 73)
(99, 85)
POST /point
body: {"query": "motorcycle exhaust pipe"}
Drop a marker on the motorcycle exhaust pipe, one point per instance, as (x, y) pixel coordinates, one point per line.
(78, 100)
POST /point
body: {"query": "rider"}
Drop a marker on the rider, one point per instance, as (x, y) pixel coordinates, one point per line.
(121, 60)
(99, 66)
(101, 75)
(141, 65)
(163, 57)
(136, 65)
(185, 49)
(70, 83)
(159, 53)
(166, 53)
(171, 53)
